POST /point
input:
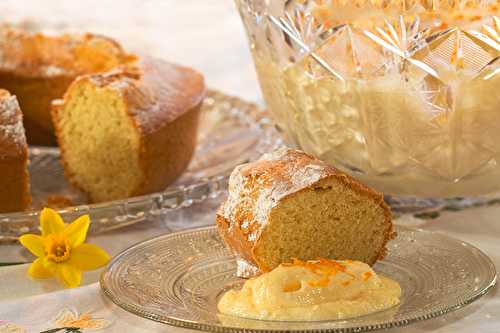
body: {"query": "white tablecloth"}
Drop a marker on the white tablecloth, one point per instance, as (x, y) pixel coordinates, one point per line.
(206, 35)
(33, 305)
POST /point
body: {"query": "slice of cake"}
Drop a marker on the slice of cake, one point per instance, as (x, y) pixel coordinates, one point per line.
(14, 180)
(291, 205)
(130, 131)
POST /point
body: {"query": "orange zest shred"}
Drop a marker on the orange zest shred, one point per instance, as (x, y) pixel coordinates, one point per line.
(323, 267)
(367, 275)
(292, 286)
(323, 16)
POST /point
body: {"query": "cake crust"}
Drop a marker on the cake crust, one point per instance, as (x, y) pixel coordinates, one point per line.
(256, 188)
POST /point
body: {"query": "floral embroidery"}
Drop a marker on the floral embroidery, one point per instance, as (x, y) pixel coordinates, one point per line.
(68, 320)
(6, 327)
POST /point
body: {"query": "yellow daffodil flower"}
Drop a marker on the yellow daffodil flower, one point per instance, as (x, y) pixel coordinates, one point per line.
(61, 249)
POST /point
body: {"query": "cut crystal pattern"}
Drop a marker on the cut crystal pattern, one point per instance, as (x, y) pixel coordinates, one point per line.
(398, 92)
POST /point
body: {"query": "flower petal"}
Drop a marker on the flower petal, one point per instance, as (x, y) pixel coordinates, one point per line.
(37, 270)
(77, 231)
(88, 257)
(34, 243)
(49, 265)
(51, 222)
(70, 276)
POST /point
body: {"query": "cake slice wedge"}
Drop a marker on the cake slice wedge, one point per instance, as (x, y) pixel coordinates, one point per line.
(14, 180)
(290, 205)
(129, 131)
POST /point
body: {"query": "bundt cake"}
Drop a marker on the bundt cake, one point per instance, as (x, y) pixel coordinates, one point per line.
(38, 69)
(290, 205)
(14, 180)
(129, 131)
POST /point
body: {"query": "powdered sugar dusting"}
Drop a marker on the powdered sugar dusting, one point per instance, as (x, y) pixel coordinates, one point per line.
(51, 71)
(12, 135)
(245, 269)
(256, 188)
(275, 155)
(120, 85)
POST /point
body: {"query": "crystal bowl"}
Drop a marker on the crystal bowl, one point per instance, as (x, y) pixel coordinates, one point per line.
(404, 95)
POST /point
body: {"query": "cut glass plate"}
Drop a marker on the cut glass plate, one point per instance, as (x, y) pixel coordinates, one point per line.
(177, 279)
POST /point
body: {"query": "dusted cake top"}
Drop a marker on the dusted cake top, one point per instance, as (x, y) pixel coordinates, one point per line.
(12, 137)
(29, 53)
(277, 174)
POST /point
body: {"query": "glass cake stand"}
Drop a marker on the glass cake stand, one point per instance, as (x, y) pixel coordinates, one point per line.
(231, 132)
